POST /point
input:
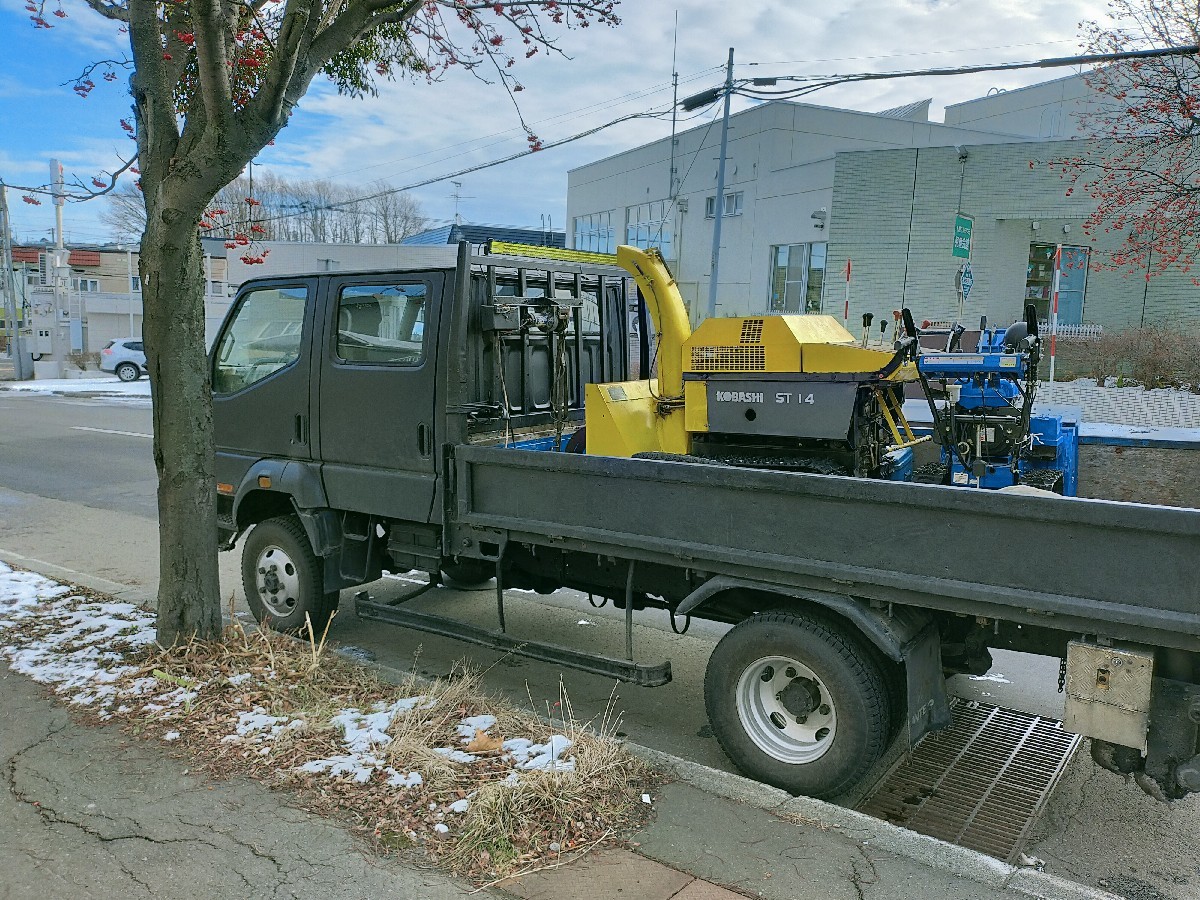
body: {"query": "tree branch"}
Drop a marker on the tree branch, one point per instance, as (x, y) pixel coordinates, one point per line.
(212, 51)
(117, 12)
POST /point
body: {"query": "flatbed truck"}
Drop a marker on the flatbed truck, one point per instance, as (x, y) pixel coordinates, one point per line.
(423, 417)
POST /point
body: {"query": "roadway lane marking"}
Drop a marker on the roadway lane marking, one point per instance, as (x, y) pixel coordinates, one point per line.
(111, 431)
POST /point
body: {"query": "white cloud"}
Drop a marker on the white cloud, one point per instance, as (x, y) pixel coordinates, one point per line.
(416, 131)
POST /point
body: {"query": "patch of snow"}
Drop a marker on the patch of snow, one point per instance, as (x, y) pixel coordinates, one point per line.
(398, 779)
(531, 756)
(239, 679)
(261, 726)
(102, 384)
(584, 622)
(440, 828)
(363, 733)
(171, 736)
(454, 755)
(459, 806)
(359, 767)
(467, 728)
(991, 676)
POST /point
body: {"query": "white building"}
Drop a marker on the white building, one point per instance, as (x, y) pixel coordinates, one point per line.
(778, 198)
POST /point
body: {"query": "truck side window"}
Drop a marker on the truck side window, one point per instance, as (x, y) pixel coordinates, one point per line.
(382, 323)
(263, 338)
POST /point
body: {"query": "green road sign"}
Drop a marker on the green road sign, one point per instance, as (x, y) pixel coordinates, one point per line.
(962, 236)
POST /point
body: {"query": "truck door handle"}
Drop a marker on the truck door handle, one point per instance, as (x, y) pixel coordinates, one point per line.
(423, 446)
(301, 436)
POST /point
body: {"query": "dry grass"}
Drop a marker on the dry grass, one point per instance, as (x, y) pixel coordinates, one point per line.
(1153, 357)
(536, 819)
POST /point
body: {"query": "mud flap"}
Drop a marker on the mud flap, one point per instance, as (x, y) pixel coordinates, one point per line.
(928, 705)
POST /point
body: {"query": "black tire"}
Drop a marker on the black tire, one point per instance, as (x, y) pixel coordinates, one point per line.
(468, 573)
(847, 681)
(128, 371)
(281, 598)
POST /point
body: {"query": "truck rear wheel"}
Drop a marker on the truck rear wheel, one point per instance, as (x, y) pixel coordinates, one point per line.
(798, 703)
(283, 578)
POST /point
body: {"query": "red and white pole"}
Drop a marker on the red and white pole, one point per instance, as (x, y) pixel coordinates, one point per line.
(846, 308)
(1054, 307)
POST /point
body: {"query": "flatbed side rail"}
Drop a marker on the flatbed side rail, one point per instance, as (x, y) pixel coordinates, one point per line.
(1123, 570)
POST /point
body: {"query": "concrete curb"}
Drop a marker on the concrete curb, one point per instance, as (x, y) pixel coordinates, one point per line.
(856, 826)
(129, 593)
(864, 829)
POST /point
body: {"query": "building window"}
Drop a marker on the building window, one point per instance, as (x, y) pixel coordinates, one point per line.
(797, 277)
(1039, 282)
(135, 283)
(594, 233)
(733, 205)
(86, 285)
(650, 225)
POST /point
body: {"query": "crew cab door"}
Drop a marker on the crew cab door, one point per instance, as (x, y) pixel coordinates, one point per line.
(260, 377)
(376, 394)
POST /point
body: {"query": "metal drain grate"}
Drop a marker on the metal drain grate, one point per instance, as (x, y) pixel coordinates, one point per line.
(981, 783)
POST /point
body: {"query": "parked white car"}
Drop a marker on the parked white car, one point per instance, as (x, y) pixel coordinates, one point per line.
(125, 357)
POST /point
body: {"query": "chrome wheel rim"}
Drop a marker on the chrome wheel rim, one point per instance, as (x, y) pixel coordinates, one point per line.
(786, 710)
(277, 581)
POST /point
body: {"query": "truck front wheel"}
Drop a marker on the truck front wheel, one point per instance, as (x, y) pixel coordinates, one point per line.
(798, 703)
(283, 578)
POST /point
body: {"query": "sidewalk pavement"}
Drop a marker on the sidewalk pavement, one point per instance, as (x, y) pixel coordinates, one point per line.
(1158, 408)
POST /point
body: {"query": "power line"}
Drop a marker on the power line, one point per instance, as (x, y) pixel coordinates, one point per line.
(570, 114)
(792, 62)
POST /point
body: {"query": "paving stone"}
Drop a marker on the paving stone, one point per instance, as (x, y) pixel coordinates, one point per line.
(608, 875)
(1159, 408)
(706, 890)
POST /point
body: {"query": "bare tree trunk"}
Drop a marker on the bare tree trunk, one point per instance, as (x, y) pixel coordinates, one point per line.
(172, 270)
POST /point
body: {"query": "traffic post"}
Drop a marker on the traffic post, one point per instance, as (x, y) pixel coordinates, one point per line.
(846, 308)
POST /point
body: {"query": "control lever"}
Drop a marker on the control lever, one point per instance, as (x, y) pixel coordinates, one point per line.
(1031, 320)
(955, 339)
(867, 319)
(910, 327)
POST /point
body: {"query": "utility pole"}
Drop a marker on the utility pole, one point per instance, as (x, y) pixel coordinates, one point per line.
(674, 109)
(61, 273)
(720, 202)
(16, 344)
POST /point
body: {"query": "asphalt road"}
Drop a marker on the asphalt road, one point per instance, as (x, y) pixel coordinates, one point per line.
(77, 492)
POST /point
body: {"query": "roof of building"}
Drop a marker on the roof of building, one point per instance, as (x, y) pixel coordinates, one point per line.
(481, 234)
(77, 257)
(917, 111)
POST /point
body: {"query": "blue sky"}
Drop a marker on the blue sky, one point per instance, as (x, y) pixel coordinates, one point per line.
(416, 131)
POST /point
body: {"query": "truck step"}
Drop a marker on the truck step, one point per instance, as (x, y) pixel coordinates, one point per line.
(621, 669)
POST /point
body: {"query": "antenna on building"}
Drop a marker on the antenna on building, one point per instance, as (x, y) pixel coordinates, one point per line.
(456, 196)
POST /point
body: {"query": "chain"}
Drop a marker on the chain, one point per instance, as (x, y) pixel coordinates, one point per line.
(1062, 674)
(559, 396)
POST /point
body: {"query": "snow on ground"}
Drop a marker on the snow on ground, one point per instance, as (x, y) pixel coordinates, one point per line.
(82, 648)
(107, 385)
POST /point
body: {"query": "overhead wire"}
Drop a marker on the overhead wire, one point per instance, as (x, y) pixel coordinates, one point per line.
(569, 114)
